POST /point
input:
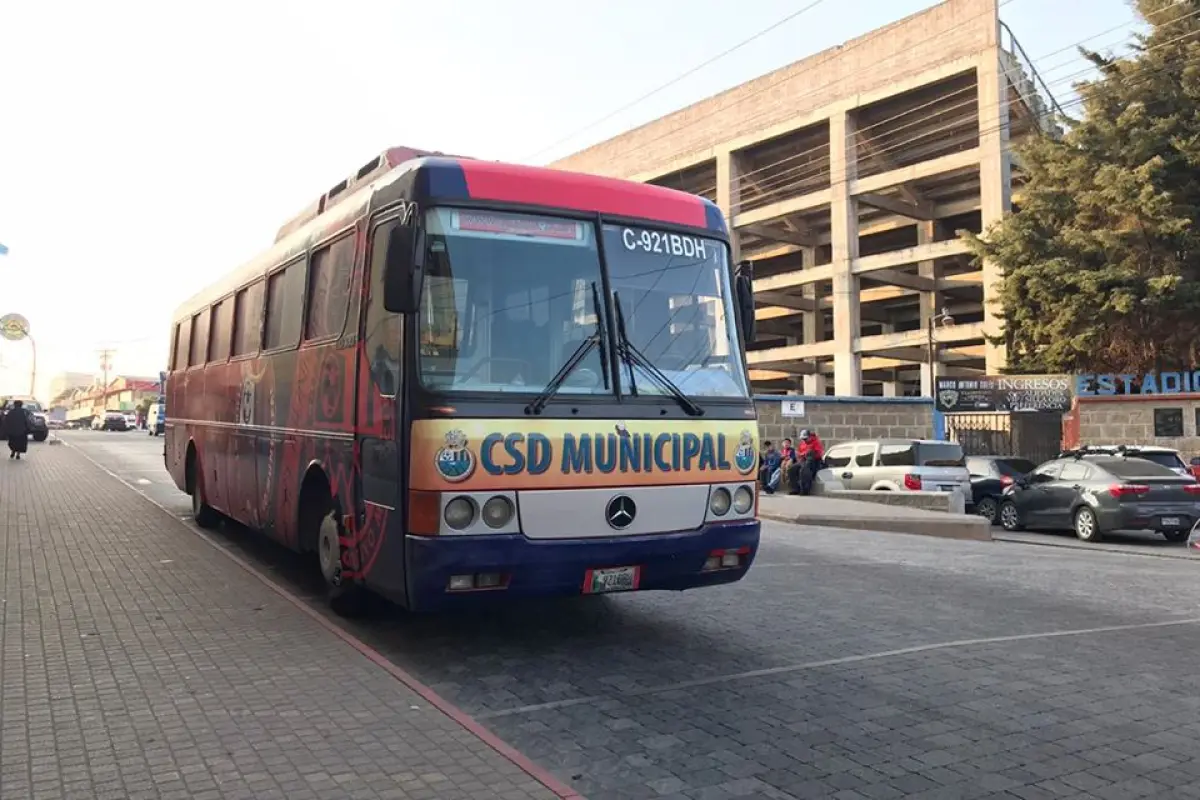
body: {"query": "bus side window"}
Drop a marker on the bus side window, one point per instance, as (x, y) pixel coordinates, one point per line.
(329, 288)
(383, 328)
(247, 319)
(199, 339)
(218, 334)
(181, 346)
(285, 296)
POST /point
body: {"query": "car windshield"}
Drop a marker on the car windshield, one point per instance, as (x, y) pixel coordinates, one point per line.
(675, 294)
(1166, 459)
(938, 454)
(1134, 468)
(506, 300)
(1015, 467)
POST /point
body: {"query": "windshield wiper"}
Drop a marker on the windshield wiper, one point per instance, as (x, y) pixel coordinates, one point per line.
(585, 347)
(634, 358)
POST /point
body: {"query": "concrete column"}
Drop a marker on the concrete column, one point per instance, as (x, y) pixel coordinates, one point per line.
(813, 323)
(995, 186)
(931, 304)
(847, 364)
(729, 196)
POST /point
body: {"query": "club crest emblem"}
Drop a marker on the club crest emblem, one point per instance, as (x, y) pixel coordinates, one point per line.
(948, 398)
(454, 461)
(745, 458)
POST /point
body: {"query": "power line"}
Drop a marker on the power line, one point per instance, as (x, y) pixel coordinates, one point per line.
(813, 169)
(676, 79)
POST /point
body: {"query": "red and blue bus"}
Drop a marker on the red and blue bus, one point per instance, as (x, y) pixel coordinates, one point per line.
(455, 380)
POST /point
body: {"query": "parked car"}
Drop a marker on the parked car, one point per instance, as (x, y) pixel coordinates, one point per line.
(898, 465)
(990, 477)
(39, 427)
(1163, 456)
(111, 421)
(1097, 494)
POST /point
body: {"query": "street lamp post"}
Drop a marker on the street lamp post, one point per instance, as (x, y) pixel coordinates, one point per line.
(33, 367)
(940, 319)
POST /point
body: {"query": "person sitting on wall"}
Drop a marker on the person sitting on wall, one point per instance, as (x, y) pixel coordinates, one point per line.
(768, 471)
(787, 462)
(810, 456)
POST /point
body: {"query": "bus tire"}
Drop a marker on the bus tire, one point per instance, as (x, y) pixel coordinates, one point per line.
(321, 530)
(205, 515)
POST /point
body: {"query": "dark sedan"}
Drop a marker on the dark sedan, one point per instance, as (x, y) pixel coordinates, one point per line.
(1096, 495)
(990, 477)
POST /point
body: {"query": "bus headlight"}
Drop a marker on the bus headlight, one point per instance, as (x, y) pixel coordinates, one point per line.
(459, 513)
(720, 502)
(497, 512)
(743, 499)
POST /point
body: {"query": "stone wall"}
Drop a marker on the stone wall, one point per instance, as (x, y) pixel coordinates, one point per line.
(949, 31)
(1130, 420)
(841, 419)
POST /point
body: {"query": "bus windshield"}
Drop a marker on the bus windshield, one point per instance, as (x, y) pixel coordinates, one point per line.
(507, 299)
(675, 294)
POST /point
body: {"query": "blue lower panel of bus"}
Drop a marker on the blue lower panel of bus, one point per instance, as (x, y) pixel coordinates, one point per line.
(561, 567)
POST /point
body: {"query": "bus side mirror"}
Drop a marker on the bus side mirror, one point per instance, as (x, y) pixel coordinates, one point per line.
(744, 286)
(402, 271)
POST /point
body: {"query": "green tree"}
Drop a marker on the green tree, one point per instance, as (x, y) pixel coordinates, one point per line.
(1101, 263)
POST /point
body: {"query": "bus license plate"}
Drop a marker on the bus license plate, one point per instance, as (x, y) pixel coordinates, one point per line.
(616, 579)
(1170, 522)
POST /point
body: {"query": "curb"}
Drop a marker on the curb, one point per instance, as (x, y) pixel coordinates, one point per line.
(967, 529)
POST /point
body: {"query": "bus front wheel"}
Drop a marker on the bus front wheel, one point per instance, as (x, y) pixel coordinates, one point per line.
(346, 599)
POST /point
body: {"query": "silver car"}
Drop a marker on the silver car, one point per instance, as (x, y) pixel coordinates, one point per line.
(899, 465)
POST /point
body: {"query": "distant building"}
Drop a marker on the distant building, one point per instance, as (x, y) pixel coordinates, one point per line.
(123, 393)
(65, 382)
(845, 178)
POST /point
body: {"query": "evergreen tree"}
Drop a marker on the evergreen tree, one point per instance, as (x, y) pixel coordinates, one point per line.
(1101, 262)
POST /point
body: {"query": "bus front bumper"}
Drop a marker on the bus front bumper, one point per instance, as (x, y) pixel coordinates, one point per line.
(438, 566)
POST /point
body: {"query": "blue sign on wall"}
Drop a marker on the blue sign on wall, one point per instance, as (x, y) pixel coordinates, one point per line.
(1101, 385)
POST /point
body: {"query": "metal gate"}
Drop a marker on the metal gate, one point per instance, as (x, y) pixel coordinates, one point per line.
(1035, 435)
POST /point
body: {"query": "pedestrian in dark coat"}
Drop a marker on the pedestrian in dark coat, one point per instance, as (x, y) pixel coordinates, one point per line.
(16, 429)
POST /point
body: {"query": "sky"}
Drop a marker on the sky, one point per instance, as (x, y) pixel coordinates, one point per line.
(148, 148)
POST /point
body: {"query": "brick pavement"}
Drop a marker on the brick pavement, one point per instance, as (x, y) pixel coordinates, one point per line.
(137, 662)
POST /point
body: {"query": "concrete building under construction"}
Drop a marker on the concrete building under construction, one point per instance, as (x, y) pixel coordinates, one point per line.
(845, 178)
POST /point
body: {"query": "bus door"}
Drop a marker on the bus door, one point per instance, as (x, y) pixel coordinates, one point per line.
(381, 435)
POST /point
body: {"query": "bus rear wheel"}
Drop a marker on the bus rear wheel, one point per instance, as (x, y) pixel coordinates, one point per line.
(346, 599)
(205, 515)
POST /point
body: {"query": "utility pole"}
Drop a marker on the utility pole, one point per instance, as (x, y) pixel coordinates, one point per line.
(105, 365)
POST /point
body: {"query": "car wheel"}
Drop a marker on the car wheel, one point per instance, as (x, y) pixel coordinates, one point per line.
(1087, 527)
(1010, 517)
(1175, 536)
(988, 509)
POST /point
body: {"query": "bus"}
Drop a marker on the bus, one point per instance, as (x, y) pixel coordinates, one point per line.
(453, 381)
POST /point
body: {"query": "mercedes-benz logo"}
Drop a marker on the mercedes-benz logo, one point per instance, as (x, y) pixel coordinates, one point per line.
(620, 512)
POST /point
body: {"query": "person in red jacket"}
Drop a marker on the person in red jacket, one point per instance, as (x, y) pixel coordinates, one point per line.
(810, 443)
(810, 456)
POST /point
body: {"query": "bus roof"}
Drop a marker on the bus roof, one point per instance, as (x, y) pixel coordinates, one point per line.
(446, 179)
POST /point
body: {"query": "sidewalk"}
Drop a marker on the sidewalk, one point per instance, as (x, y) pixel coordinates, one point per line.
(136, 661)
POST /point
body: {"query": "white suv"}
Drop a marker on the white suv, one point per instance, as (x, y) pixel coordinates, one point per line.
(897, 465)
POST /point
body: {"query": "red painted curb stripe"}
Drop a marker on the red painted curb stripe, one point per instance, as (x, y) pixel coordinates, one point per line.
(443, 705)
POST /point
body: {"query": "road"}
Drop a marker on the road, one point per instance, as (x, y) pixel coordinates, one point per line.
(847, 664)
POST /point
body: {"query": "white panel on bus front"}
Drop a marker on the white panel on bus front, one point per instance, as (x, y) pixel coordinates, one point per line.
(584, 513)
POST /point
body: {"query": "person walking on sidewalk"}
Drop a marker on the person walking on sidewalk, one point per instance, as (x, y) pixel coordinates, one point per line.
(16, 430)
